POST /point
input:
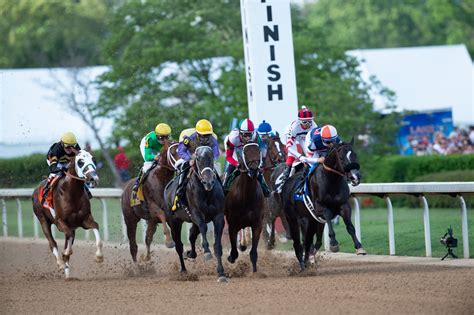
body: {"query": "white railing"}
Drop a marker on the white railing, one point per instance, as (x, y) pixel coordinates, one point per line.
(420, 190)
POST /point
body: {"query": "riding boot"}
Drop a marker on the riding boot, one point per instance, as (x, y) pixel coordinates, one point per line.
(181, 184)
(137, 184)
(228, 178)
(286, 175)
(263, 184)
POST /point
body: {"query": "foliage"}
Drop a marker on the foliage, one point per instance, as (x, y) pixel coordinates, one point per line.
(45, 33)
(186, 63)
(385, 24)
(410, 168)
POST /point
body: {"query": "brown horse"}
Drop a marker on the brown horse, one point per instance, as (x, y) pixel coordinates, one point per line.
(72, 208)
(244, 202)
(275, 157)
(153, 210)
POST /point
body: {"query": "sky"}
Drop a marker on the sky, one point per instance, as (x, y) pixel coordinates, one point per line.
(31, 115)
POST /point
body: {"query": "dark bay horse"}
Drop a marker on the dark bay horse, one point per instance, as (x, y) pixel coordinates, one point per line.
(203, 203)
(153, 192)
(329, 193)
(275, 158)
(244, 202)
(72, 208)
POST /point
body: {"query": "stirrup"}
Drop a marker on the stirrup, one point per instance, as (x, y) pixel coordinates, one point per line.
(174, 207)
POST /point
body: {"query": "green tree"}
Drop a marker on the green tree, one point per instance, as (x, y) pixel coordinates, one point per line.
(177, 62)
(48, 33)
(384, 24)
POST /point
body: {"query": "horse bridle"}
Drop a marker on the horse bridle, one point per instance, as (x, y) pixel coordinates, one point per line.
(169, 159)
(207, 168)
(247, 169)
(347, 168)
(274, 162)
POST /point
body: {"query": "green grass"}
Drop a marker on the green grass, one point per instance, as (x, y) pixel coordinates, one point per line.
(408, 225)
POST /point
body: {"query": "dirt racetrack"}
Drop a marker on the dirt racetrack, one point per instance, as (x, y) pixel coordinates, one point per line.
(30, 282)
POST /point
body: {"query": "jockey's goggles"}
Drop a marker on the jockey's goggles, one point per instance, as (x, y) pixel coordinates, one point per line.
(205, 137)
(67, 146)
(162, 137)
(328, 141)
(246, 134)
(306, 122)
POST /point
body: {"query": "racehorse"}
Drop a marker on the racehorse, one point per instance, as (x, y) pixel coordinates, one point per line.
(203, 202)
(329, 193)
(152, 209)
(244, 202)
(72, 208)
(275, 157)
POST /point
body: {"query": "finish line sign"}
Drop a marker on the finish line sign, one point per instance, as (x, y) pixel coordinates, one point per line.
(269, 62)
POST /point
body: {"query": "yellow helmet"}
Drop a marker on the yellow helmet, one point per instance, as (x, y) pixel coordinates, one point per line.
(68, 138)
(204, 127)
(163, 129)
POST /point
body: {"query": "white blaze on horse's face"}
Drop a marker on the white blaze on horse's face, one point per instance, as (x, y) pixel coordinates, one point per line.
(205, 166)
(85, 167)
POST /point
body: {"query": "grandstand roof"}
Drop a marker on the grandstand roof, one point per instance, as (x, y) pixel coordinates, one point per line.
(424, 78)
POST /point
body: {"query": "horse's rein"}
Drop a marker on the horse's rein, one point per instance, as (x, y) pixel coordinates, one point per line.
(327, 168)
(75, 177)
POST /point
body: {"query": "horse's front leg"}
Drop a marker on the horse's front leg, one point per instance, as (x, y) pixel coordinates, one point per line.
(328, 215)
(193, 234)
(308, 242)
(234, 254)
(256, 231)
(166, 231)
(176, 226)
(53, 246)
(202, 225)
(89, 223)
(150, 231)
(346, 212)
(219, 222)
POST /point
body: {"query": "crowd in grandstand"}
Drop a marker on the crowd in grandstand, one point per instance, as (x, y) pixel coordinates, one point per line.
(459, 141)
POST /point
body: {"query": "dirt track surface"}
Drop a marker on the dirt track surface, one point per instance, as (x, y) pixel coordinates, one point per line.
(30, 282)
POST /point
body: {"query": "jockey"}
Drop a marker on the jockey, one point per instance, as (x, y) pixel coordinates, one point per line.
(234, 144)
(58, 157)
(150, 147)
(317, 143)
(265, 131)
(296, 134)
(202, 135)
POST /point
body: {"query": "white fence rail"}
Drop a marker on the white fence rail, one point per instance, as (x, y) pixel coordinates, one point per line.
(420, 190)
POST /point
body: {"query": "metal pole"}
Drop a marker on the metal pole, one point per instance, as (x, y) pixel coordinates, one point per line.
(4, 218)
(326, 237)
(105, 219)
(465, 238)
(426, 221)
(391, 233)
(20, 218)
(124, 229)
(357, 218)
(35, 226)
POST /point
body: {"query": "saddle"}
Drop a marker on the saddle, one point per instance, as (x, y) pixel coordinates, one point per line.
(48, 202)
(231, 179)
(139, 198)
(302, 193)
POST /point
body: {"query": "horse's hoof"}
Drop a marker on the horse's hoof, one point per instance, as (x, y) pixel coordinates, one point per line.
(207, 256)
(169, 244)
(242, 248)
(144, 257)
(99, 259)
(270, 246)
(222, 279)
(231, 260)
(334, 248)
(191, 255)
(361, 251)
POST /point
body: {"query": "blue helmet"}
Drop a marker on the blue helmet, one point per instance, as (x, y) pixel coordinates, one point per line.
(264, 127)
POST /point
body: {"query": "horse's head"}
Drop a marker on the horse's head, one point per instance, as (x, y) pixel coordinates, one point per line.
(346, 161)
(172, 154)
(275, 149)
(205, 166)
(84, 164)
(251, 159)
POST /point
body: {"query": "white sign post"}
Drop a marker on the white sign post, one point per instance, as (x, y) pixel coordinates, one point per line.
(269, 62)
